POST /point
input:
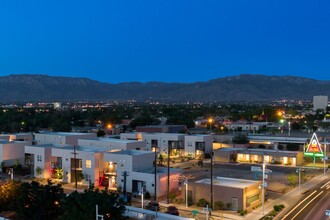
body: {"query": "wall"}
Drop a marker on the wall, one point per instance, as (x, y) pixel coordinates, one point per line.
(12, 151)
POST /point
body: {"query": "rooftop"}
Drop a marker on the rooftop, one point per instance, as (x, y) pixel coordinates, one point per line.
(229, 182)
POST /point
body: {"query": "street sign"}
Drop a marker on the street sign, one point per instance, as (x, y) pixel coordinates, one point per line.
(254, 168)
(327, 212)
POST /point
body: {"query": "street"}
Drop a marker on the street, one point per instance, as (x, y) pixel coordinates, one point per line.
(313, 205)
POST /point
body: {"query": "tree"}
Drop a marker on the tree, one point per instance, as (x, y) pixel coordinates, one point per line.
(100, 133)
(292, 147)
(82, 205)
(240, 139)
(36, 201)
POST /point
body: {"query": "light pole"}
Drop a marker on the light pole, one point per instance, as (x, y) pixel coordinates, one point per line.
(11, 172)
(141, 193)
(299, 176)
(211, 154)
(184, 179)
(210, 122)
(289, 123)
(186, 184)
(155, 184)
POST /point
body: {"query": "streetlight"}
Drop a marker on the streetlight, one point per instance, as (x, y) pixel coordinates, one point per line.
(210, 122)
(11, 172)
(299, 176)
(184, 179)
(289, 124)
(212, 154)
(141, 194)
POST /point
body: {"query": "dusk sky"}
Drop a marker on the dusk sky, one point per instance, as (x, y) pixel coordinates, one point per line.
(168, 41)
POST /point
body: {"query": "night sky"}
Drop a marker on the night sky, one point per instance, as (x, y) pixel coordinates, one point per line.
(169, 41)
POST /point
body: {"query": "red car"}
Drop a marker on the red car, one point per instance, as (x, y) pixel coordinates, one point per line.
(172, 210)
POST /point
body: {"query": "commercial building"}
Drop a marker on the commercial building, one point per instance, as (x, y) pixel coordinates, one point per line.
(320, 102)
(237, 194)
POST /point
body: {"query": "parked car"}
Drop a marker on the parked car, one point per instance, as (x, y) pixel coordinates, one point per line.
(172, 210)
(153, 206)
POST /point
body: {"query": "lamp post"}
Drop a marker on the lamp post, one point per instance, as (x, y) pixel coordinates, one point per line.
(299, 177)
(210, 122)
(141, 193)
(289, 124)
(11, 172)
(184, 179)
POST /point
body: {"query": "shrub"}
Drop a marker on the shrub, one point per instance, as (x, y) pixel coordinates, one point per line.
(218, 205)
(276, 208)
(147, 195)
(202, 202)
(172, 197)
(228, 205)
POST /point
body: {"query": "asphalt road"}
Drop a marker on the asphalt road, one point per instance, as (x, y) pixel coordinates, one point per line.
(313, 205)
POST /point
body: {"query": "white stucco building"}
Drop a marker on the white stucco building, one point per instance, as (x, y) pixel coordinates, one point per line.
(320, 102)
(69, 138)
(112, 144)
(12, 151)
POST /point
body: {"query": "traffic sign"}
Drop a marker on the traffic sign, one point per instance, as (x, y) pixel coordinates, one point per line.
(254, 168)
(327, 212)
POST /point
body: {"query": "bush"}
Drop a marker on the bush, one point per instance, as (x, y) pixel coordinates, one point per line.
(147, 195)
(218, 205)
(228, 205)
(276, 208)
(202, 202)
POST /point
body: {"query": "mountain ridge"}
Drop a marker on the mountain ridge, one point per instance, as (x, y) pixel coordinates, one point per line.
(244, 87)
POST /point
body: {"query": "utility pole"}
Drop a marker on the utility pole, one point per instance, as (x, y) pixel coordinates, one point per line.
(168, 173)
(155, 171)
(125, 174)
(75, 166)
(212, 154)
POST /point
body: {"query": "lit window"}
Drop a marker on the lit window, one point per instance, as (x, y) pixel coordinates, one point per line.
(88, 164)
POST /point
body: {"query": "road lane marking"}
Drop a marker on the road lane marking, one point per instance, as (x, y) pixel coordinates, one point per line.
(307, 204)
(299, 204)
(325, 184)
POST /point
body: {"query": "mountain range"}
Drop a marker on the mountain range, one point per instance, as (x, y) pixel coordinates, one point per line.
(245, 87)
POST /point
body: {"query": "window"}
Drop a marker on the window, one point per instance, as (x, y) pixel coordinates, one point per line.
(39, 158)
(88, 177)
(88, 164)
(251, 199)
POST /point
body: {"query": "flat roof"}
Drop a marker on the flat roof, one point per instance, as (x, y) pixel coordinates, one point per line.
(63, 133)
(132, 152)
(111, 140)
(229, 182)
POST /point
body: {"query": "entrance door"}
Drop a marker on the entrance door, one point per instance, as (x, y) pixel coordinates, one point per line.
(234, 203)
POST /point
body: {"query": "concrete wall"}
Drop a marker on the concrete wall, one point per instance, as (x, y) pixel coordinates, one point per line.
(110, 143)
(12, 151)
